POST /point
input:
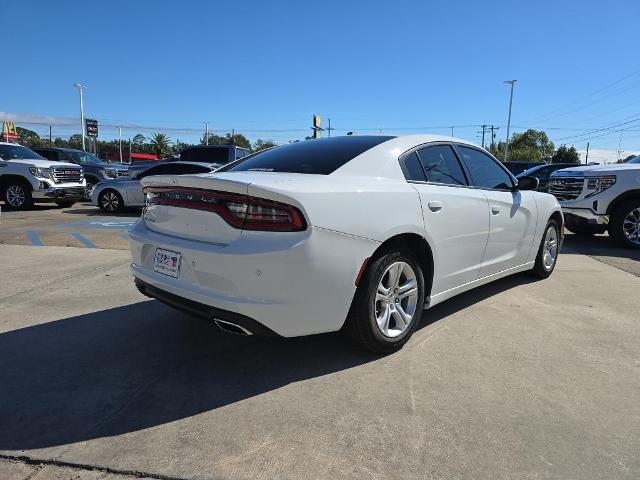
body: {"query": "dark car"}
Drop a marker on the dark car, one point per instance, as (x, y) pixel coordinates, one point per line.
(518, 167)
(543, 172)
(211, 155)
(95, 170)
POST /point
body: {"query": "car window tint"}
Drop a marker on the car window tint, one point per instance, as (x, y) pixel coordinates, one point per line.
(320, 156)
(441, 165)
(206, 154)
(173, 169)
(412, 168)
(485, 172)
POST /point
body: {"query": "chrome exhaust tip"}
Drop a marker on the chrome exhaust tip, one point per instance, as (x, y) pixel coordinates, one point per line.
(231, 327)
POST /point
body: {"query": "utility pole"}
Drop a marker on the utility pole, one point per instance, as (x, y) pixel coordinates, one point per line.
(506, 145)
(452, 131)
(50, 140)
(206, 133)
(329, 127)
(586, 158)
(120, 141)
(493, 134)
(80, 89)
(485, 129)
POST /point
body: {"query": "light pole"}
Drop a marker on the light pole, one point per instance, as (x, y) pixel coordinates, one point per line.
(80, 89)
(506, 145)
(120, 141)
(206, 133)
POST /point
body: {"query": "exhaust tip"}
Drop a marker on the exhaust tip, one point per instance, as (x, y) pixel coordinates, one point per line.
(231, 327)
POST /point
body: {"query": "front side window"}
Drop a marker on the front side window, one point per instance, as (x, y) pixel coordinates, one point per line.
(441, 165)
(485, 172)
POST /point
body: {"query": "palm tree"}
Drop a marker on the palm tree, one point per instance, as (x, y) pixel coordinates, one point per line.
(160, 144)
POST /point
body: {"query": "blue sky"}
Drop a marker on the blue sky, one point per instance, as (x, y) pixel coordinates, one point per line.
(264, 68)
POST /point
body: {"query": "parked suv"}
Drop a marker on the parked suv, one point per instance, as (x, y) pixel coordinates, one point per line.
(26, 177)
(95, 170)
(601, 198)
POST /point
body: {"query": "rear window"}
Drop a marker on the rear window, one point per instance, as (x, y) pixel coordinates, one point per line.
(206, 155)
(320, 156)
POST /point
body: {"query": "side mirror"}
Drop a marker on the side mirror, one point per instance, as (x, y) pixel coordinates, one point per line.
(528, 183)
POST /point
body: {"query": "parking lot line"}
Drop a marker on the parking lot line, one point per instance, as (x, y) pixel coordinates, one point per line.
(34, 238)
(87, 243)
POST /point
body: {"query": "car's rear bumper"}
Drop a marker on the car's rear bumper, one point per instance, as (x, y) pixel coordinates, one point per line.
(296, 283)
(204, 311)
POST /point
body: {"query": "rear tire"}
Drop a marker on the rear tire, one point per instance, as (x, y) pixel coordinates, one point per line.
(388, 303)
(110, 201)
(624, 227)
(17, 196)
(548, 251)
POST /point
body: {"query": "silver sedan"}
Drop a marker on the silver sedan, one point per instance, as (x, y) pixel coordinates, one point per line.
(114, 195)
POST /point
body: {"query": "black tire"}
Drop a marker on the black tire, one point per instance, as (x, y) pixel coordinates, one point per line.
(625, 211)
(361, 324)
(110, 201)
(65, 204)
(540, 268)
(17, 195)
(586, 229)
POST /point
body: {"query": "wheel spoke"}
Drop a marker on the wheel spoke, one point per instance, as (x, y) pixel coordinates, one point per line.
(383, 319)
(401, 316)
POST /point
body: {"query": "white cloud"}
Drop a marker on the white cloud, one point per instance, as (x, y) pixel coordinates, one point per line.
(604, 155)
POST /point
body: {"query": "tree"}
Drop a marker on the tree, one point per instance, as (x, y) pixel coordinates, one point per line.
(160, 145)
(261, 144)
(29, 138)
(566, 155)
(75, 141)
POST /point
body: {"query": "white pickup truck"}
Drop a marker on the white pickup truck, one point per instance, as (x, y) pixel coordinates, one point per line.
(26, 177)
(601, 198)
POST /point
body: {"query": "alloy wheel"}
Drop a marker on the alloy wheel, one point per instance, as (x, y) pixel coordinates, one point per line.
(631, 226)
(550, 248)
(110, 201)
(15, 196)
(396, 299)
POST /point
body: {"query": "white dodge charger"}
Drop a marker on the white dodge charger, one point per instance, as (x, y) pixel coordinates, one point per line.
(359, 233)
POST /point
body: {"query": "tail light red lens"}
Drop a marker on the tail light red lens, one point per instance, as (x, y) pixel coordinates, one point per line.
(239, 211)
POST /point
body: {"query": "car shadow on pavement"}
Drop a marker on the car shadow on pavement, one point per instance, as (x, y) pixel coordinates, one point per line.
(597, 245)
(92, 211)
(142, 365)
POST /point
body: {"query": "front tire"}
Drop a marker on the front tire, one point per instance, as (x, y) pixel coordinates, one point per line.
(110, 201)
(625, 224)
(548, 252)
(17, 196)
(388, 303)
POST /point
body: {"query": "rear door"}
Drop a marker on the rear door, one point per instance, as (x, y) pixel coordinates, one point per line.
(512, 213)
(455, 214)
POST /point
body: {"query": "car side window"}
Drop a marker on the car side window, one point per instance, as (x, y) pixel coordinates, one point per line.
(485, 172)
(441, 165)
(412, 168)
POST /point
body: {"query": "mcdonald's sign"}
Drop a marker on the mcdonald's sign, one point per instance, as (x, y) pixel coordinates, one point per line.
(9, 132)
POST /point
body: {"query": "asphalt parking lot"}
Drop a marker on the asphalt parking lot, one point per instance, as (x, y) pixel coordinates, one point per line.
(518, 379)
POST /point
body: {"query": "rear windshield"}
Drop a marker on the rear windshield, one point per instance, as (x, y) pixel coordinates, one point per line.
(320, 156)
(206, 155)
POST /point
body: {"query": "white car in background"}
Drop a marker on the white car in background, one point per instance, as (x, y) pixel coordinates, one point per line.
(114, 195)
(356, 232)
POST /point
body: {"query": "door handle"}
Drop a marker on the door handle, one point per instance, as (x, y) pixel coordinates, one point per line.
(435, 205)
(495, 210)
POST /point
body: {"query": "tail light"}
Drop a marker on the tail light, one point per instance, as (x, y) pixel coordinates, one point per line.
(239, 211)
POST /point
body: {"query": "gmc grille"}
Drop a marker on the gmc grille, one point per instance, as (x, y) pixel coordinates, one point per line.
(67, 175)
(566, 188)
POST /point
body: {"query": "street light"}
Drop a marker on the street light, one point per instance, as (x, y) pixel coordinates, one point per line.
(206, 133)
(506, 145)
(80, 89)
